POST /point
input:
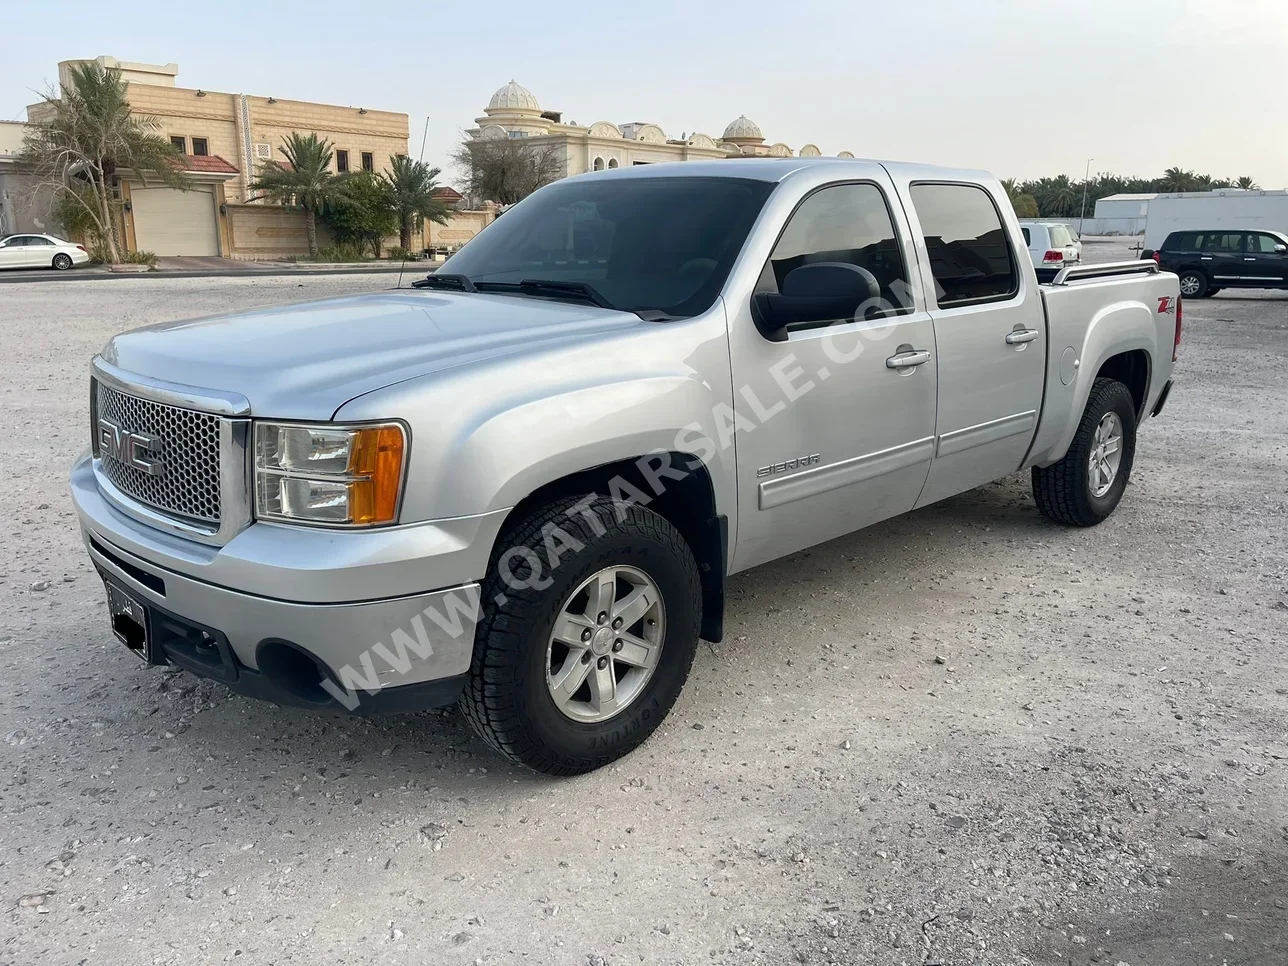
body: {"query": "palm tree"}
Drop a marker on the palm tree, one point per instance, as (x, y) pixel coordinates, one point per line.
(1247, 183)
(306, 179)
(84, 137)
(1178, 179)
(412, 185)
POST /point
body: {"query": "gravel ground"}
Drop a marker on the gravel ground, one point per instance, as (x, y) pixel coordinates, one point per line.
(964, 736)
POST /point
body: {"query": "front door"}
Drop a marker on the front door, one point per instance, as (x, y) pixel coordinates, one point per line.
(836, 423)
(990, 329)
(1265, 262)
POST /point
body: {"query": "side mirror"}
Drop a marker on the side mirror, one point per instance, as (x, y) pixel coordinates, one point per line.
(819, 292)
(1280, 249)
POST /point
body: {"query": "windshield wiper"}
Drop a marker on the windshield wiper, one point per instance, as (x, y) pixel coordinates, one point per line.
(460, 283)
(580, 291)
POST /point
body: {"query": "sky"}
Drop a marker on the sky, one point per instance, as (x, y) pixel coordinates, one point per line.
(1019, 87)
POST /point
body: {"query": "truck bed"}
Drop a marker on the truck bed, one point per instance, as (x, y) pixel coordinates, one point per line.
(1098, 315)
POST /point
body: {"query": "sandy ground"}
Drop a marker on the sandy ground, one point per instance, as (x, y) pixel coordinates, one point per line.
(964, 736)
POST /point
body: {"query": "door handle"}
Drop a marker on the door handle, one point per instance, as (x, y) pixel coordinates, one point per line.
(906, 360)
(1020, 336)
(1249, 259)
(1205, 258)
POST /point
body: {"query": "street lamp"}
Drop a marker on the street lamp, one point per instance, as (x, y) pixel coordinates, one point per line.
(1082, 212)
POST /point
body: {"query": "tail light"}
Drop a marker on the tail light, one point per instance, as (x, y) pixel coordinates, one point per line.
(1157, 257)
(1176, 346)
(1053, 256)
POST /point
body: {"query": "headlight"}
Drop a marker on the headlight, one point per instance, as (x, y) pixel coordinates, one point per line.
(347, 476)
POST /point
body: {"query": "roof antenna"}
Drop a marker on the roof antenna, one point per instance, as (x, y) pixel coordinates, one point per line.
(421, 160)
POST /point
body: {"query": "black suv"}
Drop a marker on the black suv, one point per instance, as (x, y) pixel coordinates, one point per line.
(1208, 261)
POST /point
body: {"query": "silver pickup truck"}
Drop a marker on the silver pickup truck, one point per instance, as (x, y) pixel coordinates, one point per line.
(524, 483)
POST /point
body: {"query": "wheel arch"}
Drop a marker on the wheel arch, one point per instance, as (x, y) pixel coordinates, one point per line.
(1132, 368)
(688, 503)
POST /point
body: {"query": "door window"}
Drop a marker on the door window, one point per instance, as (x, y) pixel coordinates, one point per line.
(847, 223)
(1227, 243)
(969, 252)
(1262, 244)
(34, 240)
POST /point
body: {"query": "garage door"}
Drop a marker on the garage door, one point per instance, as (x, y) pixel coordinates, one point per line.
(168, 221)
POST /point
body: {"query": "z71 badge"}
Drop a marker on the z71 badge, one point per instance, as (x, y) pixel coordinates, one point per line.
(794, 464)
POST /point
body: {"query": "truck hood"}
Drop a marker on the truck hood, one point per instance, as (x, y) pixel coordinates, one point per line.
(306, 359)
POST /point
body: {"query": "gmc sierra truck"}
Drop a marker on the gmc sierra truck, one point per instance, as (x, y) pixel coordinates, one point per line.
(524, 483)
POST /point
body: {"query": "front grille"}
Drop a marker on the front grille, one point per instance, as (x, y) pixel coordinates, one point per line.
(189, 487)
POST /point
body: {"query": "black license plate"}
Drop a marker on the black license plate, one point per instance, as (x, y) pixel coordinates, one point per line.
(129, 619)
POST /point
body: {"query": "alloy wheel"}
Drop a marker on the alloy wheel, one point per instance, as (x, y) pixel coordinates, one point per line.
(1106, 454)
(605, 644)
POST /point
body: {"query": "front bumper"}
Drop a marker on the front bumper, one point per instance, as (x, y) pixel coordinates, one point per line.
(397, 651)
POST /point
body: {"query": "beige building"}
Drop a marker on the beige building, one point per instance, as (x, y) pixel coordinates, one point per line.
(224, 139)
(514, 112)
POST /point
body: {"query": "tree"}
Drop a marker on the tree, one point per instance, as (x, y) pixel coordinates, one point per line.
(363, 212)
(1025, 205)
(411, 186)
(86, 136)
(306, 179)
(1247, 183)
(506, 170)
(1178, 179)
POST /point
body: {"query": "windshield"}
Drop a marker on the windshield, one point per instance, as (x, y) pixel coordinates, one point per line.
(663, 244)
(1060, 237)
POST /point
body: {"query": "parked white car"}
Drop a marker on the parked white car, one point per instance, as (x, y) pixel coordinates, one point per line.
(40, 251)
(1052, 246)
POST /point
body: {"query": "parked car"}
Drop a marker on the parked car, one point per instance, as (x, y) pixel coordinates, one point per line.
(1052, 246)
(40, 251)
(517, 486)
(1208, 261)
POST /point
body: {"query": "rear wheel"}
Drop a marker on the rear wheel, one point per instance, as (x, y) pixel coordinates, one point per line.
(1085, 487)
(62, 261)
(1194, 284)
(589, 626)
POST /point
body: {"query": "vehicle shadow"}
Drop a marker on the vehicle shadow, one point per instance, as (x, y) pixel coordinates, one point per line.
(439, 748)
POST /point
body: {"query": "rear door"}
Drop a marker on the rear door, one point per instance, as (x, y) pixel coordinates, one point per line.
(1222, 258)
(1264, 264)
(990, 335)
(15, 253)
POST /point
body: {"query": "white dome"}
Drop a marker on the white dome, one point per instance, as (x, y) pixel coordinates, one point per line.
(514, 97)
(742, 127)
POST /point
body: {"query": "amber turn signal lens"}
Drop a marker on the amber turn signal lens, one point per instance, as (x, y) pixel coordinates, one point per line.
(377, 461)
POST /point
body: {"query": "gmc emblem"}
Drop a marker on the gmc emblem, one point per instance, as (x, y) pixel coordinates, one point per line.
(133, 449)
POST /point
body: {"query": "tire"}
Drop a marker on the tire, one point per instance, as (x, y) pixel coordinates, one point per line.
(1193, 279)
(508, 696)
(1066, 491)
(62, 261)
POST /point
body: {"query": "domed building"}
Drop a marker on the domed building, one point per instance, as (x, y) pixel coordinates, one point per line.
(515, 112)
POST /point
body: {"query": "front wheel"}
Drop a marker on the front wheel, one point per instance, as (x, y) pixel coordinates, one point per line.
(1082, 489)
(62, 262)
(591, 613)
(1194, 284)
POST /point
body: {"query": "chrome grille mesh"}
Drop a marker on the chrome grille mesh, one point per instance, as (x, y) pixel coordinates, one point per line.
(189, 487)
